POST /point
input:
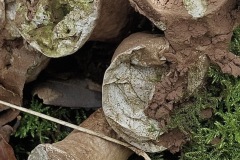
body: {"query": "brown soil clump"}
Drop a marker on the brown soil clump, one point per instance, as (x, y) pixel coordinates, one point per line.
(209, 36)
(206, 113)
(173, 140)
(182, 81)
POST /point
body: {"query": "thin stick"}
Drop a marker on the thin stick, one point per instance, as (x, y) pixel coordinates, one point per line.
(64, 123)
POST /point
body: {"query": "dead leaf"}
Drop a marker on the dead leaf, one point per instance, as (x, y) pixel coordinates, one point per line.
(74, 93)
(6, 151)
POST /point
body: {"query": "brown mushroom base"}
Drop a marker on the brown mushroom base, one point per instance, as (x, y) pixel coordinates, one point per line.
(80, 145)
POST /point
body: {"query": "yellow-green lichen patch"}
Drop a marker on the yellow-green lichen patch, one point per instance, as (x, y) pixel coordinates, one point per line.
(56, 28)
(43, 36)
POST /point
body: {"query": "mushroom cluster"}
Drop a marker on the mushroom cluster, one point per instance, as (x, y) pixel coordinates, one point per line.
(149, 76)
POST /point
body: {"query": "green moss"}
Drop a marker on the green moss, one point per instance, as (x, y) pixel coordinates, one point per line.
(152, 128)
(235, 43)
(43, 130)
(217, 138)
(186, 115)
(34, 130)
(222, 94)
(223, 127)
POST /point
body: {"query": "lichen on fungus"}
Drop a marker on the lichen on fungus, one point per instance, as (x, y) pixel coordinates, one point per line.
(56, 28)
(196, 8)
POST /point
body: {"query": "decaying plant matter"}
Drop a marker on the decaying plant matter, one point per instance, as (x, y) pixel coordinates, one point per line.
(74, 93)
(6, 151)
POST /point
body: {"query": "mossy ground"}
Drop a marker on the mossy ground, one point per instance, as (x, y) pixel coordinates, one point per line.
(217, 137)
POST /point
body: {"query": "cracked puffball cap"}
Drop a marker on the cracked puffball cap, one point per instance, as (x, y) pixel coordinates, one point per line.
(128, 86)
(56, 28)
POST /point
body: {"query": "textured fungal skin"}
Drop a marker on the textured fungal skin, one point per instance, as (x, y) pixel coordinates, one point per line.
(56, 28)
(60, 27)
(129, 83)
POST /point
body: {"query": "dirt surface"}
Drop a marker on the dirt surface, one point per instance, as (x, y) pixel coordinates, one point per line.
(170, 92)
(209, 35)
(206, 113)
(182, 80)
(173, 140)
